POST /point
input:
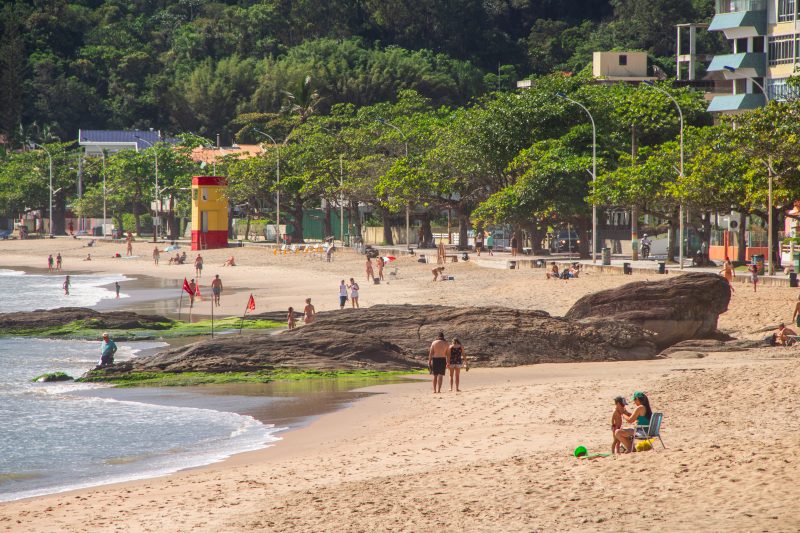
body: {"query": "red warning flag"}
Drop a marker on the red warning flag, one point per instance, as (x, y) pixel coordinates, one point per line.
(251, 304)
(187, 287)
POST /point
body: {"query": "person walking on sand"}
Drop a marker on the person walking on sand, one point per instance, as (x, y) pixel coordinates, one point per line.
(370, 272)
(458, 360)
(490, 242)
(129, 244)
(342, 294)
(309, 313)
(381, 263)
(156, 255)
(478, 243)
(107, 351)
(353, 293)
(616, 422)
(50, 263)
(753, 269)
(514, 244)
(198, 265)
(193, 289)
(728, 272)
(58, 261)
(290, 320)
(216, 289)
(66, 286)
(438, 361)
(116, 287)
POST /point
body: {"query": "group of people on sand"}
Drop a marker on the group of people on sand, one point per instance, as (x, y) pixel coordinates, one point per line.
(729, 273)
(640, 416)
(444, 356)
(54, 265)
(380, 264)
(572, 271)
(343, 293)
(309, 314)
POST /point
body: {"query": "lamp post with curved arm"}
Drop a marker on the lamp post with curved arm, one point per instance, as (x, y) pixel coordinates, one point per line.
(155, 218)
(277, 185)
(680, 170)
(594, 172)
(50, 161)
(771, 263)
(408, 208)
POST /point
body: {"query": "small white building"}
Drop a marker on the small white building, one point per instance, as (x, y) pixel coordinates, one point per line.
(620, 66)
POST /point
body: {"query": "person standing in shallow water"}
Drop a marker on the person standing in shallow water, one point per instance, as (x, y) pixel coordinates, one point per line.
(66, 285)
(438, 361)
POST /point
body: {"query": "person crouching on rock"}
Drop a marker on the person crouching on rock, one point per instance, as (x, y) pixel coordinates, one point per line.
(107, 351)
(438, 361)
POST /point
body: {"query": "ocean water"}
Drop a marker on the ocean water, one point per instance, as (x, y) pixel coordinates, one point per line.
(27, 292)
(52, 439)
(62, 436)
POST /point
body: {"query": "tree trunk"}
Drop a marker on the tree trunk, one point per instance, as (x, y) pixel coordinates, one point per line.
(463, 228)
(297, 222)
(59, 214)
(427, 232)
(327, 228)
(137, 218)
(356, 220)
(120, 228)
(777, 223)
(706, 239)
(247, 225)
(388, 240)
(674, 221)
(582, 229)
(172, 221)
(741, 253)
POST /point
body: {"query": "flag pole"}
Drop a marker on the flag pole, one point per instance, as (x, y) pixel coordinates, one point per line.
(180, 305)
(246, 307)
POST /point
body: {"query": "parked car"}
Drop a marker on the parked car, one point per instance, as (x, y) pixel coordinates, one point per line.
(564, 241)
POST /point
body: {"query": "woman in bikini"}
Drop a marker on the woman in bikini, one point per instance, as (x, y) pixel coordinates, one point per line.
(370, 272)
(458, 360)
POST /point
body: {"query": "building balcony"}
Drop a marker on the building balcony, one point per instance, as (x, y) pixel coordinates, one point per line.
(747, 65)
(740, 18)
(734, 6)
(732, 103)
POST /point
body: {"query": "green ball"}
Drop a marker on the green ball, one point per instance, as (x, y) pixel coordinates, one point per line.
(580, 451)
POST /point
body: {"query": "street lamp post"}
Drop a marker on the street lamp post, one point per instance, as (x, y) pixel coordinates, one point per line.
(155, 153)
(680, 171)
(103, 156)
(408, 208)
(50, 161)
(771, 263)
(594, 172)
(277, 186)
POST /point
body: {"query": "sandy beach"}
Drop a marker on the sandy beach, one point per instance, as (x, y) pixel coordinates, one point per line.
(495, 457)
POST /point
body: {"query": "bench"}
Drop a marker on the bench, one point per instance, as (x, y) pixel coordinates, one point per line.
(453, 257)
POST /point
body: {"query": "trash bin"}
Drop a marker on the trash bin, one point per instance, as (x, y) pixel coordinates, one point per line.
(626, 268)
(662, 267)
(605, 255)
(793, 279)
(758, 260)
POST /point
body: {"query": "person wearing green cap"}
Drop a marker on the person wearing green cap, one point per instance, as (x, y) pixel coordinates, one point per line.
(641, 416)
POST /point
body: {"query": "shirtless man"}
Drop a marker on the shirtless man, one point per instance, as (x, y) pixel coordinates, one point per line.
(438, 361)
(309, 313)
(438, 271)
(785, 336)
(216, 289)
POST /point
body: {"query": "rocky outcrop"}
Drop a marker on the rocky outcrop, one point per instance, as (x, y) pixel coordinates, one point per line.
(42, 319)
(680, 308)
(397, 337)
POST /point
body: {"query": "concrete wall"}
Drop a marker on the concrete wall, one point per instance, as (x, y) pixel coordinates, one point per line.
(606, 64)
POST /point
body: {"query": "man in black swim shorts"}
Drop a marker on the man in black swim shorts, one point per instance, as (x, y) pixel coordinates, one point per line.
(438, 359)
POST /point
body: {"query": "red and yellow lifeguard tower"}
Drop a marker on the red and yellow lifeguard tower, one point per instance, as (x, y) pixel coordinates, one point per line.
(209, 212)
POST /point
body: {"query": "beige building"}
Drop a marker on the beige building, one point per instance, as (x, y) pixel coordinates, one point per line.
(620, 66)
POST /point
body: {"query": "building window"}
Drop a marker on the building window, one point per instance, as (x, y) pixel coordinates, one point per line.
(781, 49)
(778, 89)
(205, 193)
(786, 10)
(623, 60)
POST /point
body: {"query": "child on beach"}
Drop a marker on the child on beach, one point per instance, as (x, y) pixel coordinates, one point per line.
(616, 422)
(753, 269)
(290, 318)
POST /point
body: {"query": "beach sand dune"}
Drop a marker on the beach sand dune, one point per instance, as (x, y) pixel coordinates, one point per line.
(496, 457)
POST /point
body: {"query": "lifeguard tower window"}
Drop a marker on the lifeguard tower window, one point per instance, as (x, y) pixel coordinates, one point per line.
(205, 193)
(623, 60)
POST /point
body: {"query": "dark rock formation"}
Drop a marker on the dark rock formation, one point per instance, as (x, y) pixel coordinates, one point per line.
(397, 337)
(52, 318)
(676, 309)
